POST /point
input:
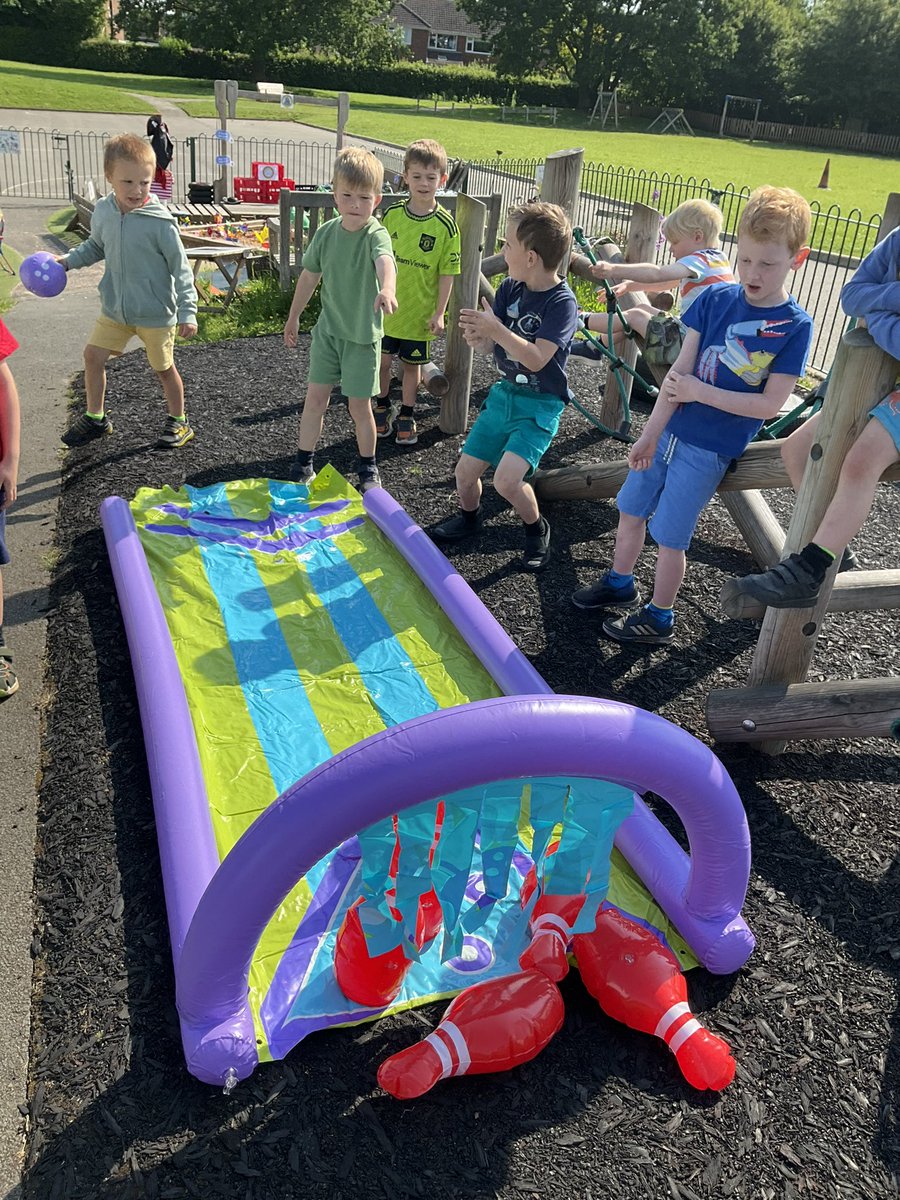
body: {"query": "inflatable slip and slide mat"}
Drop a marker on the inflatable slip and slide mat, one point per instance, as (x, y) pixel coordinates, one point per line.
(316, 681)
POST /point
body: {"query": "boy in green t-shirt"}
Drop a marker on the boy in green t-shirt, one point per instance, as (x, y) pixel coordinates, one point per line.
(425, 242)
(352, 256)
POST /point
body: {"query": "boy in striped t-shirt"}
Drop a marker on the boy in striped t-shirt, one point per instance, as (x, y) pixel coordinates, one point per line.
(693, 231)
(425, 242)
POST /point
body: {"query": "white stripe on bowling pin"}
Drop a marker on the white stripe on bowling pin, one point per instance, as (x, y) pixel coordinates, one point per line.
(553, 924)
(669, 1017)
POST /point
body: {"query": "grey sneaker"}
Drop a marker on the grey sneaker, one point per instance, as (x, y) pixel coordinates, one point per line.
(369, 477)
(9, 683)
(302, 472)
(537, 548)
(175, 433)
(642, 628)
(602, 594)
(792, 583)
(849, 561)
(86, 429)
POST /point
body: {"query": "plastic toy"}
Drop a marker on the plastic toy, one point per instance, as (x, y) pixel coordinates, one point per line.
(42, 275)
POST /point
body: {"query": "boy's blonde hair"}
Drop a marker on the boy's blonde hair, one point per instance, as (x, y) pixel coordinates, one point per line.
(777, 214)
(359, 169)
(427, 153)
(543, 228)
(127, 147)
(695, 216)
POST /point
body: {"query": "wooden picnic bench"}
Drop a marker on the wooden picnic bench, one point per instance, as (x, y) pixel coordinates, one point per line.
(226, 259)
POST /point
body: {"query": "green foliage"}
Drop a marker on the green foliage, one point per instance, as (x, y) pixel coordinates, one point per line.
(51, 24)
(259, 308)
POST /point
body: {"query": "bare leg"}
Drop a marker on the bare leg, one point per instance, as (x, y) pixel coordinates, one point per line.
(509, 480)
(95, 360)
(361, 411)
(468, 481)
(629, 543)
(670, 566)
(411, 376)
(173, 390)
(385, 379)
(869, 457)
(317, 397)
(795, 451)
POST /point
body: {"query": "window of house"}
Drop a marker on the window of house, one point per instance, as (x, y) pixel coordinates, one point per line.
(442, 41)
(477, 46)
(406, 30)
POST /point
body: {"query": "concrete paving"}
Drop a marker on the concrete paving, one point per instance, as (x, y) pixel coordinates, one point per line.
(51, 334)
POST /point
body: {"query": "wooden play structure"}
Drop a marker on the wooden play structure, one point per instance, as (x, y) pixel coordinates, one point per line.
(778, 705)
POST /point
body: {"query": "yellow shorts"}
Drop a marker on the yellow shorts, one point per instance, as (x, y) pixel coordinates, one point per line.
(158, 342)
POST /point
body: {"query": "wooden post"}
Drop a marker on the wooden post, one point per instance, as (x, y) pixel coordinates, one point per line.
(861, 376)
(470, 217)
(562, 179)
(857, 708)
(343, 113)
(643, 230)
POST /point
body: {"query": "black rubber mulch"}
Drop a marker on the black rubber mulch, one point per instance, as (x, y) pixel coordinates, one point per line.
(603, 1112)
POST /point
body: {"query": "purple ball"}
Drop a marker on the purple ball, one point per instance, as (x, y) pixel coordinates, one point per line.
(42, 274)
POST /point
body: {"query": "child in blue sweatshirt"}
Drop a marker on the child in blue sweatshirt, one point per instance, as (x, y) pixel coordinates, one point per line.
(873, 294)
(147, 290)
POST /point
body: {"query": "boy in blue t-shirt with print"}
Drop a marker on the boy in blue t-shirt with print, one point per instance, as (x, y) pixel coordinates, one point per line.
(529, 330)
(745, 348)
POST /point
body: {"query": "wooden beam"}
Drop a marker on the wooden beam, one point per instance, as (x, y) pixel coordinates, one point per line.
(470, 217)
(757, 525)
(760, 466)
(853, 591)
(793, 712)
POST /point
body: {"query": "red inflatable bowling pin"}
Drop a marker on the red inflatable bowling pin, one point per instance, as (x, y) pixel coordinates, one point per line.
(637, 981)
(374, 981)
(551, 932)
(492, 1026)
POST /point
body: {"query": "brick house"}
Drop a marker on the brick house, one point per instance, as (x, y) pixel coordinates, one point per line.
(437, 32)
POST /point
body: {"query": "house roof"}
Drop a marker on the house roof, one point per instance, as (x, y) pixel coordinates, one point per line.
(440, 15)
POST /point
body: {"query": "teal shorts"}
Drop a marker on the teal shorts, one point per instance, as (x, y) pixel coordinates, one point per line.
(515, 420)
(353, 365)
(887, 413)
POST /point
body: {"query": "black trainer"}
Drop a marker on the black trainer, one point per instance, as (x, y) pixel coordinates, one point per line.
(792, 583)
(849, 561)
(369, 476)
(458, 528)
(603, 594)
(175, 433)
(86, 429)
(537, 548)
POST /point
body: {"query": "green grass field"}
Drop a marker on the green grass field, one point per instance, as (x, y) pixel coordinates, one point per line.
(857, 181)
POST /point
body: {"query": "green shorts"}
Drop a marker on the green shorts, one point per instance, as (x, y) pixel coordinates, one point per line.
(517, 420)
(353, 365)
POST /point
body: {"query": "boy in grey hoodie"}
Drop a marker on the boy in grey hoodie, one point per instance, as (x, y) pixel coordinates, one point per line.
(147, 289)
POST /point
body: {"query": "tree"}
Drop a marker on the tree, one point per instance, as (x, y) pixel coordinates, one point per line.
(660, 48)
(767, 29)
(63, 21)
(844, 63)
(260, 27)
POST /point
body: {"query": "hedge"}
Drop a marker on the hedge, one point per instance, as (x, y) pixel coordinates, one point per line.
(296, 71)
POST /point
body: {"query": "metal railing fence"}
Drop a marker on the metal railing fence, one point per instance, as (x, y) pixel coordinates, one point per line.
(53, 166)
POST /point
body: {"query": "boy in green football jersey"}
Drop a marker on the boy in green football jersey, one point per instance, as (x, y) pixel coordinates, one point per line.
(425, 242)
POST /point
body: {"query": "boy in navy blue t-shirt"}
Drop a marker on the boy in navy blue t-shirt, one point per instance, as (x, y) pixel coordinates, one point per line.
(530, 329)
(745, 348)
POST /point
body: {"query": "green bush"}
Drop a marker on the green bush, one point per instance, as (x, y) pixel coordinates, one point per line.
(258, 309)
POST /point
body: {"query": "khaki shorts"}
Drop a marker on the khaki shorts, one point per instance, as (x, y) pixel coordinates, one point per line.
(159, 343)
(355, 366)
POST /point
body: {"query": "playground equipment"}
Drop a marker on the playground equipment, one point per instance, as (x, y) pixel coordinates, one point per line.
(337, 693)
(608, 104)
(671, 120)
(42, 275)
(729, 100)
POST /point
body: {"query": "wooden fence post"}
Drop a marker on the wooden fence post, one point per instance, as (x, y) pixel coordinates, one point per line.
(470, 217)
(643, 230)
(561, 185)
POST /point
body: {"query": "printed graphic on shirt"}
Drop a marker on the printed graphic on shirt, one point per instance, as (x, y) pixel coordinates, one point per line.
(751, 366)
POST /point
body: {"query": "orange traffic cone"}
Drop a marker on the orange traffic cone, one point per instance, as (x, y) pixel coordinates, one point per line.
(823, 182)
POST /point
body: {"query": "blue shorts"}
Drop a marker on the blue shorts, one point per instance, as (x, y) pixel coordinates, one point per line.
(673, 492)
(887, 413)
(515, 420)
(4, 553)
